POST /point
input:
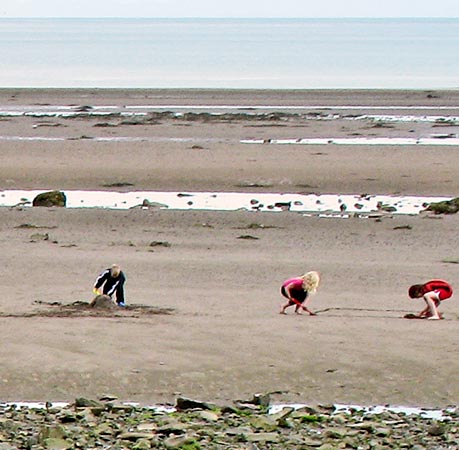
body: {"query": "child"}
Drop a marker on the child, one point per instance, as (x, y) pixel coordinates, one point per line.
(113, 280)
(297, 291)
(433, 292)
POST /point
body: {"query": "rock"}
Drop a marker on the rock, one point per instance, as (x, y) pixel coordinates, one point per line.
(103, 429)
(82, 402)
(120, 407)
(146, 204)
(388, 208)
(51, 198)
(229, 409)
(57, 444)
(103, 302)
(261, 400)
(118, 184)
(446, 207)
(108, 398)
(183, 403)
(246, 407)
(173, 427)
(369, 426)
(284, 206)
(178, 442)
(436, 430)
(51, 432)
(146, 427)
(160, 244)
(283, 414)
(265, 423)
(382, 432)
(39, 237)
(84, 108)
(340, 419)
(5, 446)
(253, 446)
(135, 436)
(312, 443)
(208, 416)
(315, 410)
(96, 411)
(67, 417)
(142, 444)
(239, 431)
(261, 437)
(336, 433)
(328, 447)
(307, 418)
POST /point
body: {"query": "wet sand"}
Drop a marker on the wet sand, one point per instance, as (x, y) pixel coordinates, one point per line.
(221, 271)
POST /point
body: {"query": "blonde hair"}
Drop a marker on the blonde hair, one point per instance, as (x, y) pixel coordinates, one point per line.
(311, 281)
(115, 270)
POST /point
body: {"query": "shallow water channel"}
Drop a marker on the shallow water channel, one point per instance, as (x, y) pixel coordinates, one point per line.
(326, 204)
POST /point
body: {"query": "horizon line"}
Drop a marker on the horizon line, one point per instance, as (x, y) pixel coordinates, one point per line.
(232, 17)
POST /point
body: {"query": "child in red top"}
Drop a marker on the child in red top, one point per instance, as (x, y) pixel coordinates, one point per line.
(297, 291)
(433, 292)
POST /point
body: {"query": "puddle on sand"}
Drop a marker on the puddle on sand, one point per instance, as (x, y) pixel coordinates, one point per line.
(425, 413)
(439, 139)
(324, 205)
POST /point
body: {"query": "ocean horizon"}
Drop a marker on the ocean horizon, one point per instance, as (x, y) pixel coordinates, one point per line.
(230, 53)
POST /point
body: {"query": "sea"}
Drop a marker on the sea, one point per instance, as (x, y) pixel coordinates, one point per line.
(230, 53)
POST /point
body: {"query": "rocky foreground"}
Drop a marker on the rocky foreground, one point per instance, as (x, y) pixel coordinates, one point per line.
(193, 425)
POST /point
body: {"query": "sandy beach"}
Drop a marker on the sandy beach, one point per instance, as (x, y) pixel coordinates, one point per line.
(218, 274)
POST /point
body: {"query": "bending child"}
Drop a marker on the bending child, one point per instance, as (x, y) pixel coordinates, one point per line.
(433, 292)
(112, 280)
(297, 291)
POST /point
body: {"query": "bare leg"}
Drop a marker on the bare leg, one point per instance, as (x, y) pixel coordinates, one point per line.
(284, 306)
(431, 300)
(297, 304)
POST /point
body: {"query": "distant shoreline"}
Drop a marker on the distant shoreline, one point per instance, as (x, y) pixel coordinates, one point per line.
(232, 97)
(229, 89)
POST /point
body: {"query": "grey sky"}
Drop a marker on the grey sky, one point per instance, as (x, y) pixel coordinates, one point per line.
(231, 8)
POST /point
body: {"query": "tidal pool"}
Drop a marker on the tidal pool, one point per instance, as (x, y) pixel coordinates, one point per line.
(330, 205)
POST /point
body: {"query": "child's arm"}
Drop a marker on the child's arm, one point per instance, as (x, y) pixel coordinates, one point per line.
(424, 312)
(305, 306)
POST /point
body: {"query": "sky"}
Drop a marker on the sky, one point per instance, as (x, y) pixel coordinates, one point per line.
(229, 8)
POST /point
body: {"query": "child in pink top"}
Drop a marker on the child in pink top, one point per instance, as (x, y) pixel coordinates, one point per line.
(297, 290)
